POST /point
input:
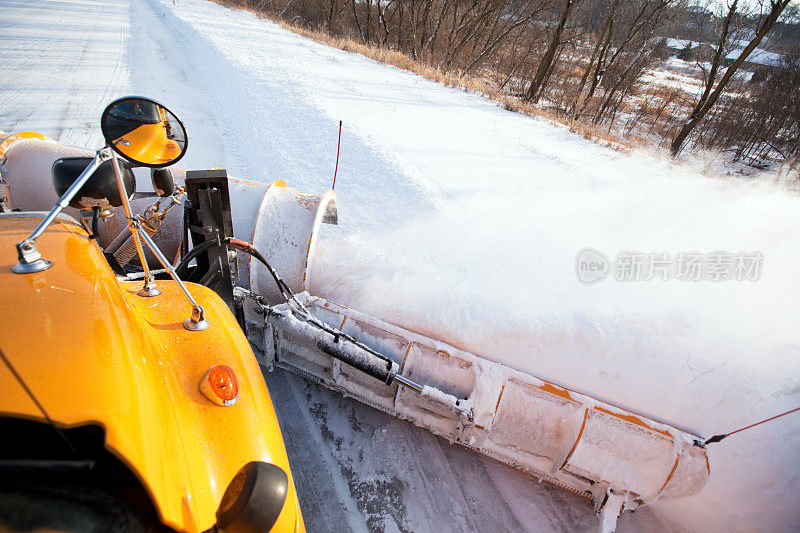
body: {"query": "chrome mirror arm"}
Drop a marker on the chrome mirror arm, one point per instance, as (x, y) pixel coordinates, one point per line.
(149, 288)
(196, 322)
(30, 259)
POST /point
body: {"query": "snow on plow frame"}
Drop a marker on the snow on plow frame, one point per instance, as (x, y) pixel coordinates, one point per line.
(618, 459)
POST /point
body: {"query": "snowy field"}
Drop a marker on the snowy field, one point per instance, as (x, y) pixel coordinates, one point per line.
(462, 220)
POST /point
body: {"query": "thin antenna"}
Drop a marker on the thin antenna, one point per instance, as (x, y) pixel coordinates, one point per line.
(338, 146)
(30, 394)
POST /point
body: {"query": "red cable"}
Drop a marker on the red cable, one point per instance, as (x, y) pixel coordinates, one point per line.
(767, 420)
(717, 438)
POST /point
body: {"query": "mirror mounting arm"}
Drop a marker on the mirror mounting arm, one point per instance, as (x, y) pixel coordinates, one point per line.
(149, 288)
(30, 259)
(196, 322)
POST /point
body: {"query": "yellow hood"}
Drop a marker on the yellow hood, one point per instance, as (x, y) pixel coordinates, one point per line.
(91, 350)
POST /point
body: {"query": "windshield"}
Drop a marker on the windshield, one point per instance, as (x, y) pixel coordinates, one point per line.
(139, 110)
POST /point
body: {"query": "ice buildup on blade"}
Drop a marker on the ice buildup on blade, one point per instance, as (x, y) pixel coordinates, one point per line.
(575, 441)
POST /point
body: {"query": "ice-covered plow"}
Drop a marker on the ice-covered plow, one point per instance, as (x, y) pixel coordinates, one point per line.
(617, 458)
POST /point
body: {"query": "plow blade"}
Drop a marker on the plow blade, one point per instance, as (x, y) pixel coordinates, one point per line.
(618, 459)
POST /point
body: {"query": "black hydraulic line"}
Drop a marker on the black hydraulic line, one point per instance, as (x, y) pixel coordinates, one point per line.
(192, 254)
(382, 370)
(248, 248)
(337, 334)
(289, 295)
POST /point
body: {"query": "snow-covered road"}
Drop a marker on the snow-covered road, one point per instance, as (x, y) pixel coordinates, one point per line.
(463, 220)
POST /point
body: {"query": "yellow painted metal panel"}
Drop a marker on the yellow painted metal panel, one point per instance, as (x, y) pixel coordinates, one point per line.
(93, 351)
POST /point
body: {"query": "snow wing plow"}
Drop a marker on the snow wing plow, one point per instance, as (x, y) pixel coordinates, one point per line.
(616, 458)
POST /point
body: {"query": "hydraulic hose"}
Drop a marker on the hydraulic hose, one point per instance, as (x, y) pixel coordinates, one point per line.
(180, 269)
(287, 293)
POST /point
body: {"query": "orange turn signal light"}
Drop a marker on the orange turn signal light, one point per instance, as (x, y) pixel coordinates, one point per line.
(219, 385)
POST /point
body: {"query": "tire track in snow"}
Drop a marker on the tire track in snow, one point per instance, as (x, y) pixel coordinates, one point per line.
(161, 69)
(16, 64)
(270, 128)
(57, 80)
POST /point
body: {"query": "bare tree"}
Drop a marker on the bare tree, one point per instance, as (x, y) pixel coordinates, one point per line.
(710, 97)
(596, 59)
(546, 64)
(626, 41)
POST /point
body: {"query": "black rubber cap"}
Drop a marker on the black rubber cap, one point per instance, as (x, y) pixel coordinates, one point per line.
(101, 187)
(163, 182)
(254, 499)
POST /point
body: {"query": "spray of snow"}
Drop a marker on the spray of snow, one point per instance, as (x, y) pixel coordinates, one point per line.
(495, 273)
